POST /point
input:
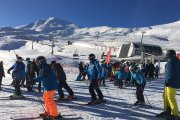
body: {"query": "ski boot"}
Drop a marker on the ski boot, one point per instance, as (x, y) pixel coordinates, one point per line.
(93, 102)
(71, 97)
(101, 101)
(49, 117)
(172, 117)
(165, 113)
(44, 114)
(136, 103)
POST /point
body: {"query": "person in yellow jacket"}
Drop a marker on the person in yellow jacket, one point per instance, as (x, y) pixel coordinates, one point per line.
(172, 83)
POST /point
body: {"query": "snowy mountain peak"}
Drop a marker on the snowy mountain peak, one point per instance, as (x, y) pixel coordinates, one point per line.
(49, 24)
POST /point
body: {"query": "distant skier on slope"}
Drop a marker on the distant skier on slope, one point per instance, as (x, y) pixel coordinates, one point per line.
(95, 74)
(50, 84)
(18, 74)
(172, 83)
(138, 77)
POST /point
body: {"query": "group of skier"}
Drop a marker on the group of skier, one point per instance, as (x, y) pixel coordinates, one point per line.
(53, 78)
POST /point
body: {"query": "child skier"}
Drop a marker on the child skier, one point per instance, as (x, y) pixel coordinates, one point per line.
(138, 77)
(50, 84)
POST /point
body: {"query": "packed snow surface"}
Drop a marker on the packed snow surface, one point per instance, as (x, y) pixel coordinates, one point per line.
(119, 103)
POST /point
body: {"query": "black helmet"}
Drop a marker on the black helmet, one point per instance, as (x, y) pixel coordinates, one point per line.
(91, 56)
(53, 62)
(27, 59)
(170, 53)
(40, 58)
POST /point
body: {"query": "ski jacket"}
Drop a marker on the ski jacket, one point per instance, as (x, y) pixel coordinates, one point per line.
(172, 73)
(47, 76)
(138, 77)
(104, 70)
(127, 72)
(61, 76)
(18, 71)
(121, 73)
(94, 70)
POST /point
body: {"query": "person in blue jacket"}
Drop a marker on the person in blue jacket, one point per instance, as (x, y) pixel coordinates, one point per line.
(172, 83)
(138, 76)
(18, 74)
(104, 72)
(95, 74)
(50, 84)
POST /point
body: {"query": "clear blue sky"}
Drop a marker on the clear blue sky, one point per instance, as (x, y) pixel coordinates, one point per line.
(90, 13)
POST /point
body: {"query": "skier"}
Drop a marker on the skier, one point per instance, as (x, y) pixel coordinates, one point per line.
(151, 71)
(50, 84)
(127, 73)
(2, 74)
(30, 74)
(81, 71)
(122, 75)
(104, 72)
(157, 71)
(18, 74)
(172, 83)
(95, 75)
(61, 76)
(138, 77)
(36, 70)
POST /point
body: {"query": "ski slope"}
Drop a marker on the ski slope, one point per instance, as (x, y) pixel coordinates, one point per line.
(119, 104)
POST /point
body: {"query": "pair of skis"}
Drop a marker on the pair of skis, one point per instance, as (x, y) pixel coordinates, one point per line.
(91, 104)
(12, 98)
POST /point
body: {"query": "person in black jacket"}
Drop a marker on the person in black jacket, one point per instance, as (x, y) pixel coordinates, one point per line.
(2, 74)
(81, 71)
(61, 76)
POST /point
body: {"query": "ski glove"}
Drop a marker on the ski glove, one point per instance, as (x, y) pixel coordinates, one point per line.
(166, 84)
(8, 71)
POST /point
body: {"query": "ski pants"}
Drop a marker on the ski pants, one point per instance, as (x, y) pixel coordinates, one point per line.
(0, 81)
(156, 74)
(50, 104)
(63, 84)
(139, 93)
(170, 100)
(17, 86)
(95, 87)
(79, 76)
(39, 86)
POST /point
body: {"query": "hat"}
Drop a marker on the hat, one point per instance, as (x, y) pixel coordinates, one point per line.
(91, 56)
(19, 58)
(40, 58)
(170, 53)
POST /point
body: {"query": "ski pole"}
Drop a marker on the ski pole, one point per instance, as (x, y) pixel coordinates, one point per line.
(40, 101)
(110, 95)
(147, 100)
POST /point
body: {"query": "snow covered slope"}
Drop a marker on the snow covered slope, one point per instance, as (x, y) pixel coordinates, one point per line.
(166, 35)
(119, 101)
